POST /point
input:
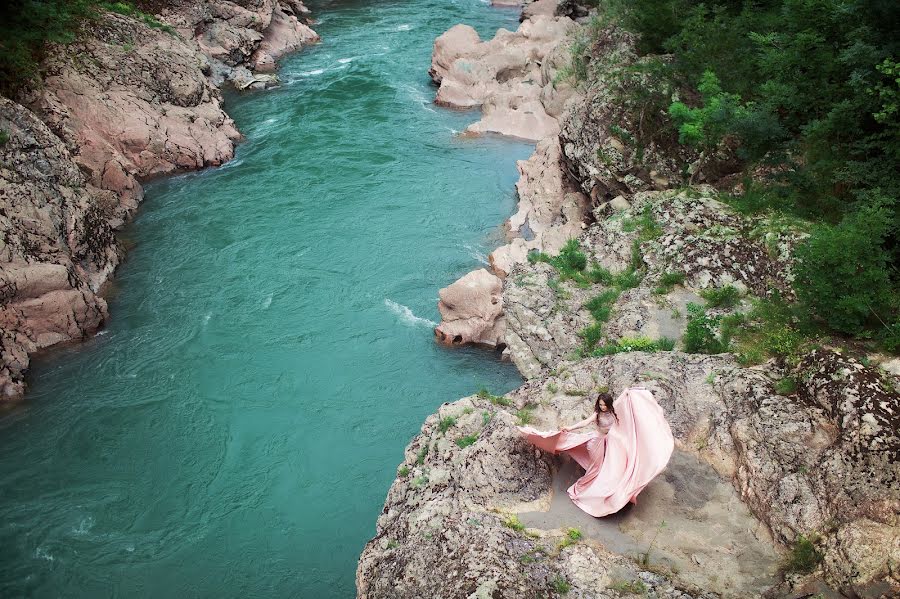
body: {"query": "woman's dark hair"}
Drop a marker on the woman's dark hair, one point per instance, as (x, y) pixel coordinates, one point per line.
(607, 400)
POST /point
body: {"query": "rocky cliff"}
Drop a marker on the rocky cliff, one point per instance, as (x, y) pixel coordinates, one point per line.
(785, 478)
(137, 96)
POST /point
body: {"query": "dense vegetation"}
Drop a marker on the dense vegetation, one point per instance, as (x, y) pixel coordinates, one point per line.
(30, 25)
(807, 93)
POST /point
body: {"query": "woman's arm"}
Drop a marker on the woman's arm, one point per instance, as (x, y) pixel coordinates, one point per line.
(580, 424)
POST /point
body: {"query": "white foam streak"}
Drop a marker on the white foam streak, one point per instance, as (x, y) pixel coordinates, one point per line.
(406, 315)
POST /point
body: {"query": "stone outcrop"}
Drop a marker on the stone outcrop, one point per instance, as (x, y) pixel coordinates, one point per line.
(134, 98)
(58, 246)
(514, 78)
(471, 311)
(818, 461)
(503, 76)
(756, 468)
(550, 209)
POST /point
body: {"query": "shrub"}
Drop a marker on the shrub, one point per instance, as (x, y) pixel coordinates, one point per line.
(464, 442)
(446, 424)
(786, 386)
(700, 334)
(723, 297)
(512, 521)
(497, 400)
(803, 556)
(560, 585)
(524, 416)
(667, 281)
(403, 471)
(420, 456)
(842, 271)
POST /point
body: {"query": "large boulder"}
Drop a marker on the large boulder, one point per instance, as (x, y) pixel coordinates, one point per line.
(471, 310)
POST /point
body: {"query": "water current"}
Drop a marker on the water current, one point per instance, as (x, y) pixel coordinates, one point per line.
(233, 430)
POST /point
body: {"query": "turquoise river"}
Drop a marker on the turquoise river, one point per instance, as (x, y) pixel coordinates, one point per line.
(234, 429)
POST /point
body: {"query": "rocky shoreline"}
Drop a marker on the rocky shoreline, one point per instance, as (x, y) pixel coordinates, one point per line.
(136, 97)
(763, 471)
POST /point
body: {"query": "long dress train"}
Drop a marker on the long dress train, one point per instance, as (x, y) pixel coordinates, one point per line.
(618, 466)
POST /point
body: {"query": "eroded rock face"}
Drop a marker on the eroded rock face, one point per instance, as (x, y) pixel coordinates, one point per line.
(503, 76)
(58, 246)
(471, 310)
(550, 210)
(442, 532)
(134, 103)
(125, 103)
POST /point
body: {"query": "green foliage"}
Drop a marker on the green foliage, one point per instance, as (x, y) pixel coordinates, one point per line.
(667, 281)
(700, 335)
(723, 297)
(524, 416)
(645, 224)
(4, 137)
(497, 400)
(421, 455)
(485, 418)
(30, 25)
(467, 440)
(842, 275)
(803, 556)
(786, 386)
(446, 423)
(512, 521)
(811, 88)
(403, 471)
(773, 328)
(630, 344)
(560, 585)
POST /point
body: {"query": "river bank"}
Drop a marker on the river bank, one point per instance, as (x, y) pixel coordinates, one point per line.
(235, 426)
(758, 500)
(136, 97)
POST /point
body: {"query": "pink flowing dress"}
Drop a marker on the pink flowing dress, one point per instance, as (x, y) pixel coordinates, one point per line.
(621, 463)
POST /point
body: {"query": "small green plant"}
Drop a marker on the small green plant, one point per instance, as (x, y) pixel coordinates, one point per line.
(392, 544)
(723, 297)
(485, 418)
(497, 400)
(420, 481)
(524, 416)
(573, 535)
(803, 556)
(667, 281)
(464, 442)
(786, 386)
(4, 137)
(552, 388)
(446, 424)
(645, 224)
(403, 471)
(420, 457)
(512, 521)
(468, 410)
(700, 334)
(630, 344)
(560, 585)
(645, 557)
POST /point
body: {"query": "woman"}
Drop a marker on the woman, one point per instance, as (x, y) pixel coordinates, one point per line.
(628, 444)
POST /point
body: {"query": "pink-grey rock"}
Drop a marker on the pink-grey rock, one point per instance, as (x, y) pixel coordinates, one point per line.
(471, 310)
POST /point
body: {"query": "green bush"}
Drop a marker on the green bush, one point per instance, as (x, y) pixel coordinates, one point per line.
(842, 271)
(723, 297)
(803, 556)
(700, 335)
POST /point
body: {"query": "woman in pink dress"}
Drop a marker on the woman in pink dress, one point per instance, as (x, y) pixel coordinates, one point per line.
(626, 445)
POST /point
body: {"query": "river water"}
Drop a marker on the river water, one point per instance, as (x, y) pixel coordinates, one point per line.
(235, 428)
